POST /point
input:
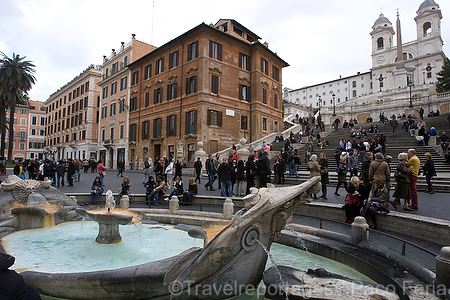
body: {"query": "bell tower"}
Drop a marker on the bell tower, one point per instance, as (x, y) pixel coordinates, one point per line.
(428, 24)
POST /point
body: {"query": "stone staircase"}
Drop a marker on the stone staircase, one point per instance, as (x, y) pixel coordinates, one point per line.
(397, 142)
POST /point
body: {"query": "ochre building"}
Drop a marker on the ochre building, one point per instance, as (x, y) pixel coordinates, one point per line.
(214, 83)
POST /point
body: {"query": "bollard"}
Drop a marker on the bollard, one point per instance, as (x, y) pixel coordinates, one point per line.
(442, 283)
(174, 205)
(125, 202)
(228, 209)
(359, 230)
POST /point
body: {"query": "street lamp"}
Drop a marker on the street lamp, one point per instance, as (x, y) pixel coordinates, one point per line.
(410, 84)
(334, 105)
(381, 81)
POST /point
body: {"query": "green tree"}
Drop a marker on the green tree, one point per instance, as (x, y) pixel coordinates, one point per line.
(443, 77)
(16, 79)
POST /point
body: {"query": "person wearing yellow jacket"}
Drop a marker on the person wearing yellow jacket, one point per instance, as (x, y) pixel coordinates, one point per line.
(413, 161)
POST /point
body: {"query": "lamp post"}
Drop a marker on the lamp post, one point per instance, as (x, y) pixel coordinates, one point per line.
(334, 105)
(381, 81)
(410, 84)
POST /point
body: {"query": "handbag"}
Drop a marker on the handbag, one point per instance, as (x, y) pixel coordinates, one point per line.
(104, 173)
(145, 171)
(324, 171)
(398, 173)
(351, 200)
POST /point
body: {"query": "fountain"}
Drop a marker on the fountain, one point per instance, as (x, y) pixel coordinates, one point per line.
(231, 260)
(109, 219)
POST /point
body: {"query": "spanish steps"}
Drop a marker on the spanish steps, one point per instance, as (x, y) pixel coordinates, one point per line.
(397, 142)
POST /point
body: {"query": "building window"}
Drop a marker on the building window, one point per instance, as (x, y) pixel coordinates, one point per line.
(214, 84)
(135, 77)
(148, 71)
(159, 68)
(191, 152)
(133, 128)
(264, 95)
(192, 51)
(114, 68)
(275, 126)
(244, 61)
(123, 83)
(191, 122)
(133, 104)
(171, 150)
(42, 121)
(275, 73)
(157, 95)
(125, 61)
(172, 90)
(215, 50)
(145, 130)
(238, 30)
(112, 112)
(104, 111)
(191, 85)
(41, 132)
(354, 93)
(113, 88)
(354, 84)
(22, 146)
(121, 106)
(214, 117)
(121, 131)
(173, 59)
(171, 125)
(111, 133)
(24, 111)
(23, 122)
(105, 92)
(157, 126)
(244, 92)
(264, 123)
(147, 99)
(264, 66)
(103, 134)
(275, 100)
(244, 122)
(33, 131)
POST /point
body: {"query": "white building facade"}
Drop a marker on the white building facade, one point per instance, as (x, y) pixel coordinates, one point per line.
(422, 59)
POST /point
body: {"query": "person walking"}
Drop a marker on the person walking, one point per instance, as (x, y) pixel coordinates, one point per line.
(429, 171)
(120, 168)
(101, 169)
(314, 169)
(71, 172)
(146, 170)
(60, 170)
(402, 176)
(324, 179)
(198, 170)
(413, 161)
(379, 169)
(211, 172)
(224, 172)
(216, 163)
(342, 174)
(250, 172)
(240, 178)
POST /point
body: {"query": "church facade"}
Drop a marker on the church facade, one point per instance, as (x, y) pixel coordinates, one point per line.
(391, 78)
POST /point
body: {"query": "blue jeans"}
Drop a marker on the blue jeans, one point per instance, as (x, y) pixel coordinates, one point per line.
(77, 175)
(187, 197)
(294, 169)
(226, 189)
(95, 197)
(210, 181)
(60, 180)
(154, 196)
(174, 192)
(101, 178)
(291, 171)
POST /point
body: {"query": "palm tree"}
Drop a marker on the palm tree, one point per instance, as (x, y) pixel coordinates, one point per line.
(16, 78)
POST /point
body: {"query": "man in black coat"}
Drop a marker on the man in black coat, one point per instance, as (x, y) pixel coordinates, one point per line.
(198, 169)
(12, 285)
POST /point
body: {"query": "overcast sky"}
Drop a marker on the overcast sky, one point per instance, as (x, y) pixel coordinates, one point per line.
(320, 39)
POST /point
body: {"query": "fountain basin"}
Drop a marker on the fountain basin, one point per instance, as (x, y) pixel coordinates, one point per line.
(109, 221)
